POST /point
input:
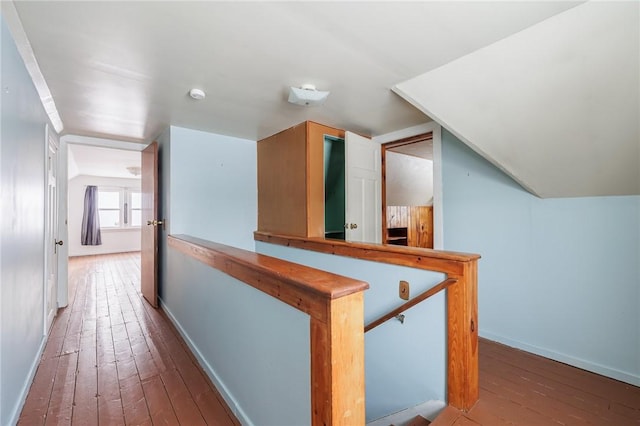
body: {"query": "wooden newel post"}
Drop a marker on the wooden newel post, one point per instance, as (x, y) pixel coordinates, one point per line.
(337, 364)
(462, 338)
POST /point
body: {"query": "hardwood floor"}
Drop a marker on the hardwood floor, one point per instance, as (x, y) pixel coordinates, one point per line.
(519, 388)
(111, 359)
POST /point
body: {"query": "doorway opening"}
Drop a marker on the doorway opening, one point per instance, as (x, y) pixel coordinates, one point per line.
(408, 191)
(114, 168)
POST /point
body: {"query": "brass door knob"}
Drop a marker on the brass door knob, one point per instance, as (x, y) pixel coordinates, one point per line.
(353, 226)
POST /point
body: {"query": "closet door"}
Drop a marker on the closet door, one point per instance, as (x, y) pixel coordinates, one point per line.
(363, 212)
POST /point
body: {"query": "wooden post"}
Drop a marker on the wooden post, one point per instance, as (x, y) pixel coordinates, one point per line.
(337, 364)
(462, 336)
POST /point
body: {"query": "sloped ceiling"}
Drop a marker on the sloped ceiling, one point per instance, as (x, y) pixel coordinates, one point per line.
(556, 106)
(99, 161)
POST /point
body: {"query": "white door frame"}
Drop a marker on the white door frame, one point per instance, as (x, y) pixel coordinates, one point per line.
(436, 130)
(63, 195)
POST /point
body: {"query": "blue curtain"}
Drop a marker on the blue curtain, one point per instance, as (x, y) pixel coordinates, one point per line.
(90, 235)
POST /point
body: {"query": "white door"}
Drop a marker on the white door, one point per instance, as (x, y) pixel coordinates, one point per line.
(51, 238)
(363, 212)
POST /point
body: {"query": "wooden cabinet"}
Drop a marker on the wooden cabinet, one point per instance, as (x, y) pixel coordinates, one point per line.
(291, 180)
(410, 226)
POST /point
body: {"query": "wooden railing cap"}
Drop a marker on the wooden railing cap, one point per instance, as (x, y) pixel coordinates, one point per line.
(435, 254)
(304, 279)
(448, 262)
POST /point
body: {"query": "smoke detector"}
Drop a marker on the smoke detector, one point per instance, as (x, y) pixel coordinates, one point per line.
(307, 95)
(197, 94)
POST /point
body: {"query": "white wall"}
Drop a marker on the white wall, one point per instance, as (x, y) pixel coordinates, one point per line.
(528, 103)
(22, 231)
(409, 180)
(558, 277)
(113, 240)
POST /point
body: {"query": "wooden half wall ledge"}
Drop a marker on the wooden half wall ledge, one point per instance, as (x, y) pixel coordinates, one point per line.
(462, 299)
(299, 286)
(336, 307)
(447, 262)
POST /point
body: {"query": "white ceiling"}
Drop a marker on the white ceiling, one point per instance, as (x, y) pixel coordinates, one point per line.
(547, 91)
(556, 106)
(123, 69)
(422, 149)
(99, 161)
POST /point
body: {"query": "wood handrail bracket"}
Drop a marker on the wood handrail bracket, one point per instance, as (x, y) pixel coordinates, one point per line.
(462, 299)
(335, 305)
(411, 303)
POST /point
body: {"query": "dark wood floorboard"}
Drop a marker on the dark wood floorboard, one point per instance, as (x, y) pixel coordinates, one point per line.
(111, 359)
(519, 388)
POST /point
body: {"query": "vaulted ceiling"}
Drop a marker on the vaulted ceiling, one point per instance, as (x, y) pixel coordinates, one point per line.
(556, 106)
(123, 69)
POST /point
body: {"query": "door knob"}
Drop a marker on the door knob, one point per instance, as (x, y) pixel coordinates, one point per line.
(154, 222)
(60, 242)
(57, 243)
(353, 226)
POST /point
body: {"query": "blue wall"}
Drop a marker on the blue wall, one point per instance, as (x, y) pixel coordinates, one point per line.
(405, 364)
(558, 277)
(255, 349)
(22, 170)
(213, 187)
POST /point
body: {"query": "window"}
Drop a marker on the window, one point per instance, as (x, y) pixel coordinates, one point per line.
(119, 207)
(136, 208)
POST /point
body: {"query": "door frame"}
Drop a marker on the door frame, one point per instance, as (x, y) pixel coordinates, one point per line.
(63, 196)
(405, 134)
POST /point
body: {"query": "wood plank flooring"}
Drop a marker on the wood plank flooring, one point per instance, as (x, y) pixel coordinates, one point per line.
(111, 359)
(519, 388)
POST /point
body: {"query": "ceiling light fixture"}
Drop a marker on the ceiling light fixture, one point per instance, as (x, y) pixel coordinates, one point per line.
(134, 170)
(307, 95)
(197, 94)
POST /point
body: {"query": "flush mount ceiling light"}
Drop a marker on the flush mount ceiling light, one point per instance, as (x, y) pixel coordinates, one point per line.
(307, 95)
(134, 170)
(197, 94)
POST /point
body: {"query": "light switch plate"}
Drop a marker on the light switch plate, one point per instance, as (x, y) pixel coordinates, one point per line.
(403, 290)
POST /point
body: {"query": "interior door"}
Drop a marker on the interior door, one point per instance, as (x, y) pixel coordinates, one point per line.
(363, 212)
(51, 240)
(150, 224)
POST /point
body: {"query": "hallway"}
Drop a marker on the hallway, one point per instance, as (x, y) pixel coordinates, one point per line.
(111, 359)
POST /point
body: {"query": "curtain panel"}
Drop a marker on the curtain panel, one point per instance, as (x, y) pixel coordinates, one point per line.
(90, 235)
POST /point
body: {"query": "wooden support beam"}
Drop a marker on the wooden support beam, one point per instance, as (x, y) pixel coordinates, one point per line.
(337, 364)
(462, 338)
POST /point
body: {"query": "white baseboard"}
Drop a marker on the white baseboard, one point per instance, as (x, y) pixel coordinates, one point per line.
(17, 409)
(429, 410)
(219, 384)
(567, 359)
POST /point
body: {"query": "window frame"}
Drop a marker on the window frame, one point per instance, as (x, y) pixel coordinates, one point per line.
(124, 207)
